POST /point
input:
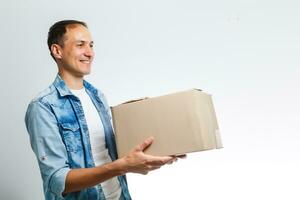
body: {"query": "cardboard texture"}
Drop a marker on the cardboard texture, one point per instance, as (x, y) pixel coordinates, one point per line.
(180, 123)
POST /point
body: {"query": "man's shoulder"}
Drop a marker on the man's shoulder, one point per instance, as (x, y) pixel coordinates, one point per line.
(39, 102)
(45, 95)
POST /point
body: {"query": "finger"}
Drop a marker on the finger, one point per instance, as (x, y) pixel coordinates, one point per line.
(155, 168)
(158, 160)
(151, 167)
(144, 145)
(157, 163)
(172, 161)
(144, 173)
(183, 156)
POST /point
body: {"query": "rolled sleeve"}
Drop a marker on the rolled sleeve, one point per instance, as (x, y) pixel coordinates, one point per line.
(58, 181)
(47, 144)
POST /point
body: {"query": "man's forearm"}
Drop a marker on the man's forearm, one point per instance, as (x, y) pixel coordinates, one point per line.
(78, 179)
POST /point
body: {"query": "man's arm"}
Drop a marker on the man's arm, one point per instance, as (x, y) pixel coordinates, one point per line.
(137, 162)
(48, 147)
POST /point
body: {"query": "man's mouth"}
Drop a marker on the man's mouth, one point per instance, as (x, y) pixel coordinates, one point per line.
(86, 61)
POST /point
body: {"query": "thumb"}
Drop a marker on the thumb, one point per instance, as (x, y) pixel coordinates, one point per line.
(144, 145)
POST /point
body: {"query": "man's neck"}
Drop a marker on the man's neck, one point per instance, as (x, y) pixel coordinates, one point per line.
(73, 82)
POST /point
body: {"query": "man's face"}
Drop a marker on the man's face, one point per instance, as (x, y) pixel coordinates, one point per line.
(77, 51)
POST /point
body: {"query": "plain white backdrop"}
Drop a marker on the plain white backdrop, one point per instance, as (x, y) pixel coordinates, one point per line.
(245, 53)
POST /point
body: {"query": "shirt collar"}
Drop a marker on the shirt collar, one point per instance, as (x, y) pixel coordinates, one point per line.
(89, 87)
(63, 89)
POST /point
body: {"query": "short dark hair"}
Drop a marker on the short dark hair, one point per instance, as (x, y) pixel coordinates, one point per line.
(57, 31)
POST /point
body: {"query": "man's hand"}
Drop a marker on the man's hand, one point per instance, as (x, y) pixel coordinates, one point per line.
(139, 162)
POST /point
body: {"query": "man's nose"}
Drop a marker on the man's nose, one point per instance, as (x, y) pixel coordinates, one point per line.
(89, 52)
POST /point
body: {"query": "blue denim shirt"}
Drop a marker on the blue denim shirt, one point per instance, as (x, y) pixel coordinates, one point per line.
(60, 140)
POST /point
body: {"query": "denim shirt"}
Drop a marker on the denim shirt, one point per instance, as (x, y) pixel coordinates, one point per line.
(60, 140)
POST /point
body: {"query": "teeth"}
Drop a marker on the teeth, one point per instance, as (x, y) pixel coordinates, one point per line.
(85, 61)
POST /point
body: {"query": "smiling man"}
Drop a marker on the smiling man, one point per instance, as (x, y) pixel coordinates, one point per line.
(70, 128)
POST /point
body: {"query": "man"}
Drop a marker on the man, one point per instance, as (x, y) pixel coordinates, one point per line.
(70, 130)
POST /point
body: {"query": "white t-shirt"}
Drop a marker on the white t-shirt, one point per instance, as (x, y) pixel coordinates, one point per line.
(111, 187)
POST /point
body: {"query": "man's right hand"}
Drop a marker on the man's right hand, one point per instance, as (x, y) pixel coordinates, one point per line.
(139, 162)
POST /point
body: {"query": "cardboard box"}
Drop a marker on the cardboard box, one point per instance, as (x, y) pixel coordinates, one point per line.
(180, 123)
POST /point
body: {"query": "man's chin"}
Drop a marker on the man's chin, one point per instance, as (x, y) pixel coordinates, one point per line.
(87, 72)
(83, 73)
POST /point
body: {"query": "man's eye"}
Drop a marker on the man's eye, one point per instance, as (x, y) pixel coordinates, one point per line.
(80, 45)
(91, 45)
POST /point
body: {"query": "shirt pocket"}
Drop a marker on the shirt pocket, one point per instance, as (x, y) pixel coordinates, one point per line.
(72, 136)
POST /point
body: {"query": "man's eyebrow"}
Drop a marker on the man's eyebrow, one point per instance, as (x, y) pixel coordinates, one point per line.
(84, 41)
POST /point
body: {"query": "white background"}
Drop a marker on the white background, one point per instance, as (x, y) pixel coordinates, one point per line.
(245, 53)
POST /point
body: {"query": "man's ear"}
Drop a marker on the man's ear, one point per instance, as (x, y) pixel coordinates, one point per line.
(56, 51)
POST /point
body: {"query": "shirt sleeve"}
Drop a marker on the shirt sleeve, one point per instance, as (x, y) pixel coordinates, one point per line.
(48, 147)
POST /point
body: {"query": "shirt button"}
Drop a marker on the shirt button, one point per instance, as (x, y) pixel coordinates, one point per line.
(44, 157)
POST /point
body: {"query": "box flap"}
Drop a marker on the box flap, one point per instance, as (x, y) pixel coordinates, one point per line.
(134, 100)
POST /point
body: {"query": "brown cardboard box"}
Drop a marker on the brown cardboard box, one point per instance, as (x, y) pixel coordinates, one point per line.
(180, 123)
